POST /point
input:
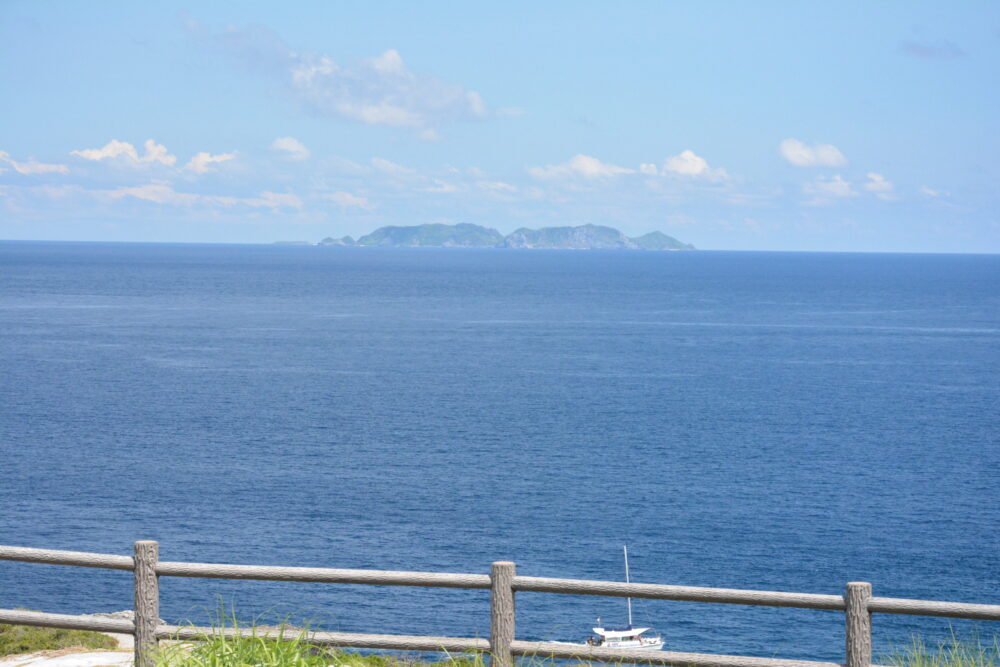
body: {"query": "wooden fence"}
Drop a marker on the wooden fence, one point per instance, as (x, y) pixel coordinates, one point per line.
(857, 604)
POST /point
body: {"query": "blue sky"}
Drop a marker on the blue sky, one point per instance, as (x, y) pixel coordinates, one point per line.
(782, 126)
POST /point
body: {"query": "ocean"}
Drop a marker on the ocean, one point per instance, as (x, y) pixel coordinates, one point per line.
(776, 421)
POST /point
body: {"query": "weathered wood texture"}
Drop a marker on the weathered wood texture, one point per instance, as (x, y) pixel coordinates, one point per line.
(532, 584)
(858, 624)
(67, 621)
(598, 654)
(503, 581)
(984, 612)
(56, 557)
(502, 613)
(688, 593)
(263, 572)
(147, 602)
(346, 639)
(323, 575)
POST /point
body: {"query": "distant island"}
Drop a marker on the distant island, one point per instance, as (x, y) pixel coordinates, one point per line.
(467, 235)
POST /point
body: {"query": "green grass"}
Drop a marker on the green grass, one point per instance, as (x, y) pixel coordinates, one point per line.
(292, 648)
(218, 650)
(952, 653)
(16, 639)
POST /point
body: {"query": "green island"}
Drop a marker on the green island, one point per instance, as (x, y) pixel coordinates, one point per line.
(468, 235)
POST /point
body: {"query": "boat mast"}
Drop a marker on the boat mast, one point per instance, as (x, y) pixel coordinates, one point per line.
(628, 601)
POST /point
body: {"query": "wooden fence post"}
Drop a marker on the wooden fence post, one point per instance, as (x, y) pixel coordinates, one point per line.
(147, 601)
(858, 624)
(501, 613)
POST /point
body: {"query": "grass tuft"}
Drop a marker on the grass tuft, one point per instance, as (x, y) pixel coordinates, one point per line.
(291, 648)
(952, 653)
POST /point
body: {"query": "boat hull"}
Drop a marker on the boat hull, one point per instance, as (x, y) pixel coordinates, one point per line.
(632, 646)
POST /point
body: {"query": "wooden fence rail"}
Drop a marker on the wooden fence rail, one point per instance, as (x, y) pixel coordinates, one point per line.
(857, 604)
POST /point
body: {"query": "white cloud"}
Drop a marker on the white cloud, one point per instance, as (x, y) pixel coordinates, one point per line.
(58, 191)
(825, 191)
(649, 169)
(274, 200)
(112, 149)
(292, 148)
(116, 149)
(931, 192)
(583, 166)
(157, 153)
(819, 155)
(375, 91)
(164, 193)
(381, 91)
(158, 193)
(199, 163)
(391, 168)
(347, 200)
(389, 62)
(476, 104)
(496, 186)
(32, 166)
(381, 113)
(687, 163)
(882, 188)
(441, 187)
(46, 191)
(125, 153)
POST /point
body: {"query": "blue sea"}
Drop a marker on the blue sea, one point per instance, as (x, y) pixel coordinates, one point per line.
(777, 421)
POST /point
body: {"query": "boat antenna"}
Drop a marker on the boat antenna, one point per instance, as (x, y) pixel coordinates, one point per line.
(628, 600)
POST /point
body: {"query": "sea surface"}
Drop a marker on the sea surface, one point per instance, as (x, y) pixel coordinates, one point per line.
(775, 421)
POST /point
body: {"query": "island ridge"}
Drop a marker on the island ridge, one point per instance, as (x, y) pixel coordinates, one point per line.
(467, 235)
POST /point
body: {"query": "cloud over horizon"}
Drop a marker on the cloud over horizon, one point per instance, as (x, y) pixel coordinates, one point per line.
(199, 163)
(291, 148)
(579, 166)
(391, 168)
(32, 166)
(346, 200)
(380, 90)
(165, 194)
(818, 155)
(687, 163)
(880, 187)
(122, 149)
(825, 191)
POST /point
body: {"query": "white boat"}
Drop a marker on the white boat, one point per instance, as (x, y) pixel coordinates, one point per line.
(625, 638)
(628, 637)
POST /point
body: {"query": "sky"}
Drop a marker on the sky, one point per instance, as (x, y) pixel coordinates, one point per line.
(847, 126)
